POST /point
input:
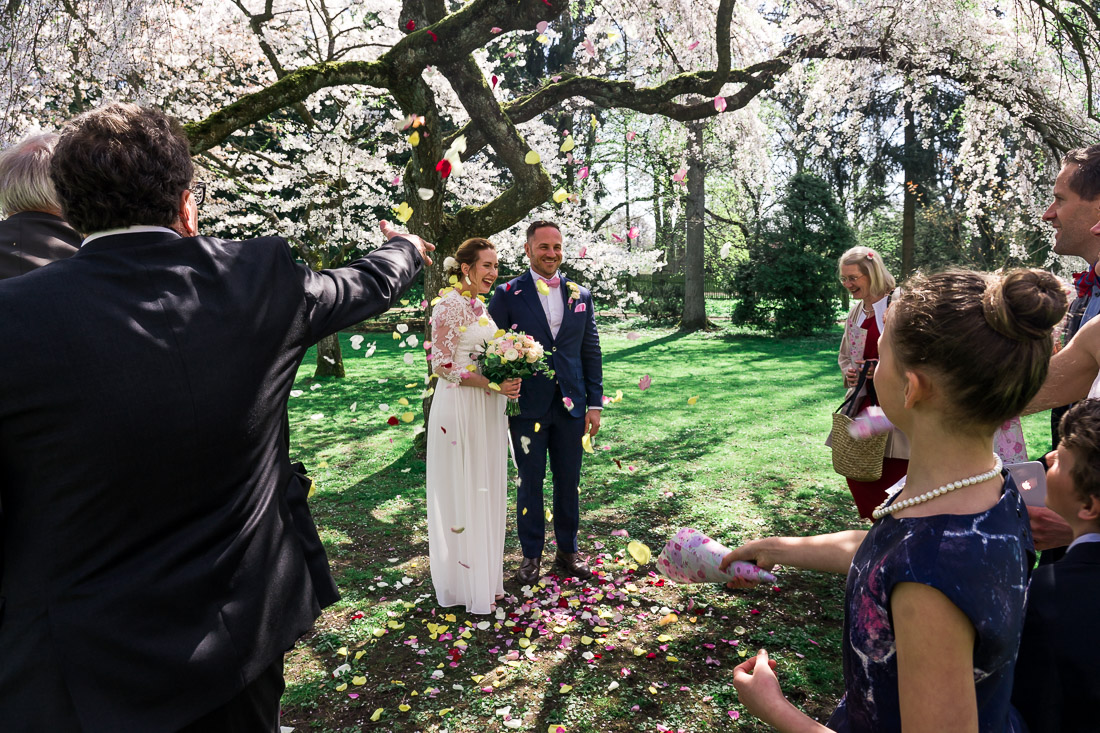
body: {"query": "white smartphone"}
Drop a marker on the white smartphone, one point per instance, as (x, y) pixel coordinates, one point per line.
(1031, 480)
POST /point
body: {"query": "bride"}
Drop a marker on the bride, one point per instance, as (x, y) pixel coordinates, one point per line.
(467, 440)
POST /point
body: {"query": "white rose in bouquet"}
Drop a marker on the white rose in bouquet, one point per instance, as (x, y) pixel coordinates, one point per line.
(511, 355)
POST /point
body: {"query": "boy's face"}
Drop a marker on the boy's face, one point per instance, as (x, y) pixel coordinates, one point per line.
(1062, 497)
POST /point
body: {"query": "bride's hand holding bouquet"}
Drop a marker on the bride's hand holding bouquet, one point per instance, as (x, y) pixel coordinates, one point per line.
(508, 357)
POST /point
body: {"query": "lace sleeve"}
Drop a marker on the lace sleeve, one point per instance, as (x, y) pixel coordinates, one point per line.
(449, 316)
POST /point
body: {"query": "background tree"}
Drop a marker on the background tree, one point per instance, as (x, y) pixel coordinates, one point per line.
(787, 285)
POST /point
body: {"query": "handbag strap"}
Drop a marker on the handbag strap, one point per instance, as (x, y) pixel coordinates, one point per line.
(849, 401)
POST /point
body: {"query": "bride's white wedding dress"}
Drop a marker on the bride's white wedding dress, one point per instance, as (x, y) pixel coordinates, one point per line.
(467, 463)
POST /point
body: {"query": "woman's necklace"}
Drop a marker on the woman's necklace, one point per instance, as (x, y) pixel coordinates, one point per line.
(882, 510)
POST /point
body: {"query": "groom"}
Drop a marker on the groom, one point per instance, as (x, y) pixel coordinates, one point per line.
(554, 413)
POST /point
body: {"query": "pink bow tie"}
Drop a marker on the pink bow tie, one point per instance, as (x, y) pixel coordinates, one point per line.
(552, 282)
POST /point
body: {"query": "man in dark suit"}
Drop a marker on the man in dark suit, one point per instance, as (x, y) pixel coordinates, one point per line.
(34, 233)
(1057, 682)
(555, 414)
(154, 569)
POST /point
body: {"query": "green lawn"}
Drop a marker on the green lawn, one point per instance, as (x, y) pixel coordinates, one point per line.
(746, 460)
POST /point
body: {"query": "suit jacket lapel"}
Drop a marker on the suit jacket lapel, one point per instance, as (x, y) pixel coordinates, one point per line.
(530, 296)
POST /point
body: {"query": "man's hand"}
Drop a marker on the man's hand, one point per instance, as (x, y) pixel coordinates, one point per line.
(592, 423)
(1048, 529)
(423, 247)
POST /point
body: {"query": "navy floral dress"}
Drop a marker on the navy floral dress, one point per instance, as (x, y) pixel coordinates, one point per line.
(981, 562)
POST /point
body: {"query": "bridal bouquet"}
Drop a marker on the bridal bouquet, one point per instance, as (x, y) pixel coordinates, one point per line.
(511, 355)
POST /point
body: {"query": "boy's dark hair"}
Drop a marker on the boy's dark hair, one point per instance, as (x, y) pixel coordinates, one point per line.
(535, 225)
(1080, 431)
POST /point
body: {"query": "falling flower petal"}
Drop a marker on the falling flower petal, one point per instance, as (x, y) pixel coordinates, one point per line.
(543, 39)
(568, 402)
(725, 251)
(586, 443)
(589, 47)
(403, 212)
(632, 233)
(630, 136)
(433, 36)
(414, 139)
(542, 26)
(568, 144)
(679, 175)
(692, 45)
(458, 530)
(582, 173)
(525, 444)
(425, 193)
(444, 168)
(532, 158)
(495, 29)
(559, 197)
(720, 104)
(639, 551)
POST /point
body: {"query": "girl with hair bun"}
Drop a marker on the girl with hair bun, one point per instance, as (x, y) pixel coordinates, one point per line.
(934, 600)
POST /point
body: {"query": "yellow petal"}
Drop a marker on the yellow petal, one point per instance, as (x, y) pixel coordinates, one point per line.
(586, 443)
(414, 139)
(639, 552)
(542, 39)
(483, 321)
(669, 619)
(549, 516)
(638, 651)
(404, 708)
(537, 426)
(542, 287)
(396, 336)
(568, 144)
(652, 690)
(359, 655)
(494, 386)
(407, 417)
(560, 196)
(693, 399)
(499, 333)
(342, 651)
(358, 680)
(444, 711)
(565, 688)
(450, 618)
(618, 396)
(377, 714)
(671, 658)
(403, 401)
(586, 640)
(532, 158)
(379, 633)
(663, 638)
(342, 686)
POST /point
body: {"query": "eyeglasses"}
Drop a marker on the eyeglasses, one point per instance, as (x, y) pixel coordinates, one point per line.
(198, 191)
(850, 279)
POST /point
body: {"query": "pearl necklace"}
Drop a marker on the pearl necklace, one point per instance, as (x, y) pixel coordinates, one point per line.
(882, 510)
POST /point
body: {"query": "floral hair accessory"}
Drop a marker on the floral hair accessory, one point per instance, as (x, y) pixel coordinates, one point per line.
(450, 264)
(870, 255)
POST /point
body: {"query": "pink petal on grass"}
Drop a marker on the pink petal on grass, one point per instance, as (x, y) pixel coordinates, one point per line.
(633, 336)
(619, 533)
(644, 382)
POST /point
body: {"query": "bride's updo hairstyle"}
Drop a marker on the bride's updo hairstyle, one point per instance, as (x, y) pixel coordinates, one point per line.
(985, 339)
(467, 254)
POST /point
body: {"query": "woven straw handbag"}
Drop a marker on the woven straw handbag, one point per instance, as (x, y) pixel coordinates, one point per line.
(859, 460)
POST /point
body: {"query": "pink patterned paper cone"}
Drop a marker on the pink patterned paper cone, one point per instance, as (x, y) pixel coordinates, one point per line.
(692, 557)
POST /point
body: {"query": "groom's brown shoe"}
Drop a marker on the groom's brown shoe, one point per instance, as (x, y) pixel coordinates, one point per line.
(529, 570)
(573, 564)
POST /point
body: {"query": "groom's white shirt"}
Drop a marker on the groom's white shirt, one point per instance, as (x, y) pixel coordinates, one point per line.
(551, 306)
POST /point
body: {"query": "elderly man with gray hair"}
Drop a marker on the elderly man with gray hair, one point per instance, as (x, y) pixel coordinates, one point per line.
(34, 234)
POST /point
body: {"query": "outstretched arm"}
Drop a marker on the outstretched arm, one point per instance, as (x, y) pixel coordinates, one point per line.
(831, 553)
(1072, 371)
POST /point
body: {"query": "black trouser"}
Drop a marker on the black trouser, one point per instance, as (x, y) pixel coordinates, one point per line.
(255, 709)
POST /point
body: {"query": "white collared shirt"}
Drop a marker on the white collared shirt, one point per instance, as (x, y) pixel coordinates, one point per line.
(552, 306)
(136, 229)
(1087, 537)
(880, 312)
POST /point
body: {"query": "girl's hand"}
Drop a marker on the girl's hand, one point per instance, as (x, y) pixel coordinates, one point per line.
(510, 388)
(755, 552)
(758, 687)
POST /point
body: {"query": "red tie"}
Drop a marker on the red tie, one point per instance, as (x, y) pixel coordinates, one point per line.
(552, 282)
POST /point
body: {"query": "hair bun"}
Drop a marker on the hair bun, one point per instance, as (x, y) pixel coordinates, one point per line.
(1024, 304)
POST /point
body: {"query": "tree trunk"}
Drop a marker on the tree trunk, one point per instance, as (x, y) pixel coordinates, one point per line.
(695, 312)
(330, 362)
(909, 202)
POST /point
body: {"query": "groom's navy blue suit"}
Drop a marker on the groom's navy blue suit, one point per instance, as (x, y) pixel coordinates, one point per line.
(574, 355)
